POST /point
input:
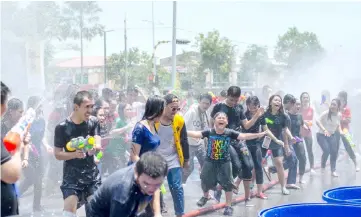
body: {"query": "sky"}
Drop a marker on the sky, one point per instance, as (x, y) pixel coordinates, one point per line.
(337, 24)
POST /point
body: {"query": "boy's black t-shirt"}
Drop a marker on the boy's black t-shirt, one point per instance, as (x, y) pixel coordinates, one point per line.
(9, 200)
(235, 114)
(254, 129)
(217, 149)
(276, 124)
(296, 123)
(77, 172)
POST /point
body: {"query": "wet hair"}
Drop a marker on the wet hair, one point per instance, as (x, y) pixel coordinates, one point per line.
(343, 95)
(96, 110)
(338, 103)
(152, 164)
(5, 91)
(121, 108)
(100, 102)
(223, 93)
(289, 98)
(234, 91)
(220, 113)
(269, 109)
(252, 100)
(80, 96)
(302, 94)
(13, 105)
(170, 98)
(154, 107)
(205, 96)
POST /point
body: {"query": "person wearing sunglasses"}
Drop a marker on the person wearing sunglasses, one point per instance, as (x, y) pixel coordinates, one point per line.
(174, 148)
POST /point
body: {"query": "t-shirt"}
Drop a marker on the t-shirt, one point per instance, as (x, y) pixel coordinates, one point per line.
(9, 200)
(254, 129)
(77, 172)
(119, 195)
(195, 120)
(307, 115)
(117, 145)
(235, 114)
(167, 147)
(37, 131)
(346, 113)
(146, 139)
(330, 124)
(217, 148)
(276, 123)
(296, 124)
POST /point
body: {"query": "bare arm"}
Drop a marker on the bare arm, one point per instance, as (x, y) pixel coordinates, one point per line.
(134, 152)
(249, 136)
(120, 130)
(11, 170)
(288, 133)
(269, 133)
(26, 151)
(98, 143)
(60, 154)
(195, 134)
(156, 203)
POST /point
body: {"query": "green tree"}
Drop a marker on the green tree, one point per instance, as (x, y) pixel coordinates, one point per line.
(217, 53)
(81, 21)
(254, 61)
(297, 49)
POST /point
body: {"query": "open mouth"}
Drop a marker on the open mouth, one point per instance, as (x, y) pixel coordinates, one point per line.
(221, 124)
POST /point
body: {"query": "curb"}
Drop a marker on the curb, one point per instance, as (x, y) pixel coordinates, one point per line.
(241, 198)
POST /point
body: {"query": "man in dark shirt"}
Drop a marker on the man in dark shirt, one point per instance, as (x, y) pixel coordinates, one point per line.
(242, 164)
(128, 191)
(10, 168)
(80, 173)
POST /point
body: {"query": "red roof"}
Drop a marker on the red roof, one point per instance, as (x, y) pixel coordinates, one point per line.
(89, 62)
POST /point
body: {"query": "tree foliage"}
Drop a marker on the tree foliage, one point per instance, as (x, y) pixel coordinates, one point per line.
(295, 48)
(216, 52)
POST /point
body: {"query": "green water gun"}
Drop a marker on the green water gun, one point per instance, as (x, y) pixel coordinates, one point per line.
(269, 121)
(349, 138)
(81, 143)
(99, 155)
(162, 189)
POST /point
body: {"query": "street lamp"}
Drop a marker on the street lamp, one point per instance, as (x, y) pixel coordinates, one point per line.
(105, 54)
(178, 41)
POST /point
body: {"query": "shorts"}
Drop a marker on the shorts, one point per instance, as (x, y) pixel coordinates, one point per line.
(82, 194)
(277, 152)
(217, 172)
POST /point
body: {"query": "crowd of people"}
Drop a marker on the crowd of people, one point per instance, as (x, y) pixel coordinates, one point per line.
(141, 140)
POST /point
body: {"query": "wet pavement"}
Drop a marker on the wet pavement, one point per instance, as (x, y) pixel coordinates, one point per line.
(309, 192)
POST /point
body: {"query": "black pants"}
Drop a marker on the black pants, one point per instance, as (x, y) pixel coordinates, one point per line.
(299, 148)
(348, 147)
(309, 144)
(256, 154)
(330, 146)
(242, 163)
(33, 176)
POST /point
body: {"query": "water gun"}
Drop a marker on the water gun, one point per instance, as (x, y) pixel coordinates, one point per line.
(81, 143)
(309, 123)
(348, 137)
(242, 98)
(162, 189)
(214, 98)
(16, 135)
(298, 139)
(269, 121)
(323, 99)
(99, 155)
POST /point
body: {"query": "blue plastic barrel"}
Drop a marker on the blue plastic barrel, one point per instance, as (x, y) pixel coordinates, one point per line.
(312, 210)
(343, 195)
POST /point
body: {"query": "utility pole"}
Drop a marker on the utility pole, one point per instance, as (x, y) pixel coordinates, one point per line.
(174, 41)
(105, 58)
(125, 52)
(154, 58)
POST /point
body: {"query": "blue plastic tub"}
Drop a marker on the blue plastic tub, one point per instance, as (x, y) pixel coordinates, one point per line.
(343, 195)
(312, 210)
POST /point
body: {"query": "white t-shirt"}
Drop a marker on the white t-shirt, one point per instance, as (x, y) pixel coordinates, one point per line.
(330, 125)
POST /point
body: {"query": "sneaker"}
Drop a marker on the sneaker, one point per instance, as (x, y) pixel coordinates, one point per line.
(302, 181)
(262, 196)
(217, 195)
(201, 202)
(312, 171)
(228, 211)
(334, 174)
(285, 191)
(292, 186)
(267, 172)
